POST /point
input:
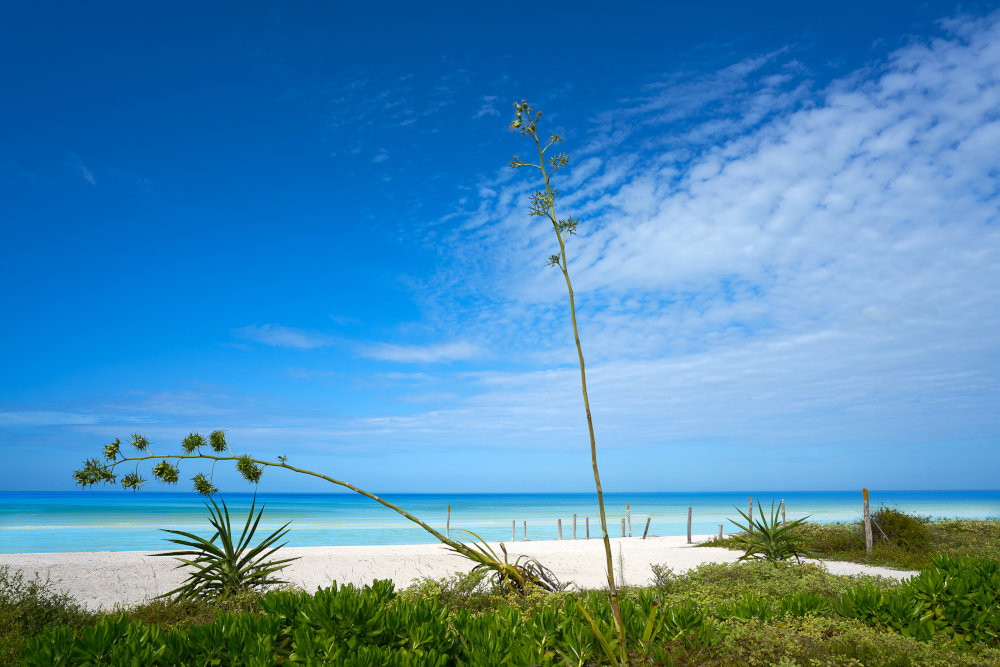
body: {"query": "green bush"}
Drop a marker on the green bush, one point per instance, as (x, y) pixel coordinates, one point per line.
(29, 606)
(958, 598)
(901, 529)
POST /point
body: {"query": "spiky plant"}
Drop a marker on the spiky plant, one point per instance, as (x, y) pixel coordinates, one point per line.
(767, 538)
(220, 569)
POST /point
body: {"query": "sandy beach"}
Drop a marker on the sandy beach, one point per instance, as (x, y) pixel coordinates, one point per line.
(104, 579)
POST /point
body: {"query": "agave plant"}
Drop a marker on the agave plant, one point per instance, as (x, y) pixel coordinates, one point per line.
(509, 577)
(767, 538)
(227, 567)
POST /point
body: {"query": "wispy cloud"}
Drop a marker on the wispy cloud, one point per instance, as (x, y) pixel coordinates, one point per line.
(488, 107)
(423, 354)
(77, 165)
(280, 336)
(824, 259)
(18, 418)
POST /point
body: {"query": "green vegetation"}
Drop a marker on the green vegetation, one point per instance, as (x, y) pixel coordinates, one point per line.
(222, 570)
(755, 613)
(767, 538)
(103, 471)
(900, 540)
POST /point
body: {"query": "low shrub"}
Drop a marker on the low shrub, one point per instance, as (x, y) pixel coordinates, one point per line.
(958, 598)
(29, 606)
(900, 529)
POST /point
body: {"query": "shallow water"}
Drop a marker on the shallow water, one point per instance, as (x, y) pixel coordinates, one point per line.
(124, 521)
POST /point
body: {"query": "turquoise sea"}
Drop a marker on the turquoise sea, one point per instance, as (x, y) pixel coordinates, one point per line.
(123, 521)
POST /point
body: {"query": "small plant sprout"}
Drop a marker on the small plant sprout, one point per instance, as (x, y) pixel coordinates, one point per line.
(543, 205)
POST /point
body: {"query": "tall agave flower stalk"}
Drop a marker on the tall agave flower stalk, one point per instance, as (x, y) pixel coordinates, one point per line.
(543, 204)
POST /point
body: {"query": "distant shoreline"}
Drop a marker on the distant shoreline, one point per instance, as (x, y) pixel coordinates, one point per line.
(91, 520)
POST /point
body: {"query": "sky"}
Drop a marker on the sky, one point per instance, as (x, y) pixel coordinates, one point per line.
(297, 222)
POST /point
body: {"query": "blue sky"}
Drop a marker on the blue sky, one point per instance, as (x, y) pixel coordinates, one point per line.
(296, 223)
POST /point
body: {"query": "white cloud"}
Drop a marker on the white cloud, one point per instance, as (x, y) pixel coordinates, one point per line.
(279, 336)
(788, 263)
(45, 418)
(488, 107)
(422, 354)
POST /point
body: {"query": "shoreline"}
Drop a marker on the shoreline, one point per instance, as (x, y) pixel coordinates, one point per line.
(104, 579)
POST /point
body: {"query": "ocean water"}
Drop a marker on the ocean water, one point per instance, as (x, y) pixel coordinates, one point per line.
(41, 522)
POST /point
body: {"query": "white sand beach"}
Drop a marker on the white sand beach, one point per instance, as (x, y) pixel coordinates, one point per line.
(104, 579)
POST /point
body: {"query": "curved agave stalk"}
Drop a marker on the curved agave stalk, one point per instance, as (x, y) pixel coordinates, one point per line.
(95, 471)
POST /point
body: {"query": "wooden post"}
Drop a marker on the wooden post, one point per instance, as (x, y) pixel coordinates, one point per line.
(868, 523)
(720, 531)
(750, 514)
(628, 513)
(574, 526)
(559, 523)
(525, 531)
(689, 525)
(782, 511)
(447, 525)
(512, 524)
(587, 519)
(648, 519)
(623, 527)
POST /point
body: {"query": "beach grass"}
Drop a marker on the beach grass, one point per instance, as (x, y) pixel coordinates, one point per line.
(903, 540)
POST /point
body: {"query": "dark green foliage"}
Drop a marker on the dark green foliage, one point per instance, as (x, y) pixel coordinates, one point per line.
(958, 598)
(769, 539)
(203, 486)
(229, 567)
(29, 606)
(193, 443)
(217, 439)
(901, 529)
(846, 541)
(139, 442)
(250, 471)
(713, 615)
(111, 450)
(93, 472)
(348, 626)
(132, 481)
(166, 472)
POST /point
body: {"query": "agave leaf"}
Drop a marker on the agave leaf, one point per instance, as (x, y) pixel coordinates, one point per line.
(218, 570)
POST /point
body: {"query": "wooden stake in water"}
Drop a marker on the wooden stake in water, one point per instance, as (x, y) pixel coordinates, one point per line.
(720, 531)
(648, 519)
(512, 524)
(525, 531)
(559, 523)
(689, 525)
(750, 513)
(868, 523)
(623, 527)
(782, 511)
(587, 519)
(574, 526)
(447, 525)
(628, 513)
